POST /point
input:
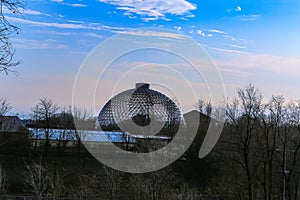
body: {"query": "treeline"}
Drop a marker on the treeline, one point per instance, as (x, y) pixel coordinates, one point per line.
(46, 114)
(257, 157)
(259, 149)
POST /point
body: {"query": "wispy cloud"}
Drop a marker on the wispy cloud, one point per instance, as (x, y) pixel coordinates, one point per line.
(238, 40)
(78, 5)
(24, 11)
(237, 9)
(147, 19)
(94, 35)
(178, 28)
(32, 12)
(249, 17)
(47, 24)
(258, 62)
(54, 33)
(75, 21)
(70, 4)
(153, 34)
(91, 26)
(235, 72)
(228, 50)
(229, 37)
(37, 44)
(200, 32)
(155, 9)
(217, 31)
(237, 46)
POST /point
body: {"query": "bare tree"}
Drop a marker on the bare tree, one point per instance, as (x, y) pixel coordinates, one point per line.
(65, 122)
(37, 178)
(45, 110)
(204, 107)
(113, 180)
(3, 184)
(186, 192)
(84, 120)
(12, 7)
(243, 116)
(5, 107)
(85, 188)
(289, 147)
(268, 140)
(153, 185)
(56, 184)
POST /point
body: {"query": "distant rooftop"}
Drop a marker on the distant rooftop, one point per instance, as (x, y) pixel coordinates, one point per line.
(10, 124)
(85, 136)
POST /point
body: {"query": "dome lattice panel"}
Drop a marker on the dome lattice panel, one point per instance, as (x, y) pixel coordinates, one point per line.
(142, 106)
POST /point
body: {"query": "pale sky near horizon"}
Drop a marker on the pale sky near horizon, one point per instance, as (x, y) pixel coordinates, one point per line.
(250, 41)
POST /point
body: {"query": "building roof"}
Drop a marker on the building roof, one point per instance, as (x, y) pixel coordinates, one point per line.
(142, 106)
(85, 136)
(10, 124)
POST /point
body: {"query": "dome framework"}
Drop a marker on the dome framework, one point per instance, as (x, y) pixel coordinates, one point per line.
(141, 106)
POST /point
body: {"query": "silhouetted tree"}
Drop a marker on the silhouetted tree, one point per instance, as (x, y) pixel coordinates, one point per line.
(37, 178)
(83, 120)
(11, 7)
(243, 116)
(3, 183)
(45, 111)
(5, 107)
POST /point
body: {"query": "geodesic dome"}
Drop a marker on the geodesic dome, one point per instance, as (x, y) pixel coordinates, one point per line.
(142, 106)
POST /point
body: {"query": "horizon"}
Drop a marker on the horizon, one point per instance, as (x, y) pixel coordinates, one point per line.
(249, 41)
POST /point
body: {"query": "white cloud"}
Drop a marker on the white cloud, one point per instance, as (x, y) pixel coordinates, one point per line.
(54, 33)
(146, 19)
(238, 9)
(78, 5)
(23, 11)
(70, 4)
(228, 50)
(217, 31)
(273, 65)
(178, 28)
(47, 24)
(190, 16)
(91, 26)
(237, 46)
(94, 35)
(32, 12)
(229, 37)
(238, 40)
(200, 32)
(75, 21)
(37, 44)
(155, 9)
(249, 17)
(153, 34)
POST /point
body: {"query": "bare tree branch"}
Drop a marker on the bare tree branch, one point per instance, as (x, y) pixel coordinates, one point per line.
(8, 7)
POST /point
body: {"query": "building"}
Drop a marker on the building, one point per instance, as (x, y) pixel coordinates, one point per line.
(134, 109)
(11, 124)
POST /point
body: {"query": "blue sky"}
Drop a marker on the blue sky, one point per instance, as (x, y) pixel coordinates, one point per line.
(250, 41)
